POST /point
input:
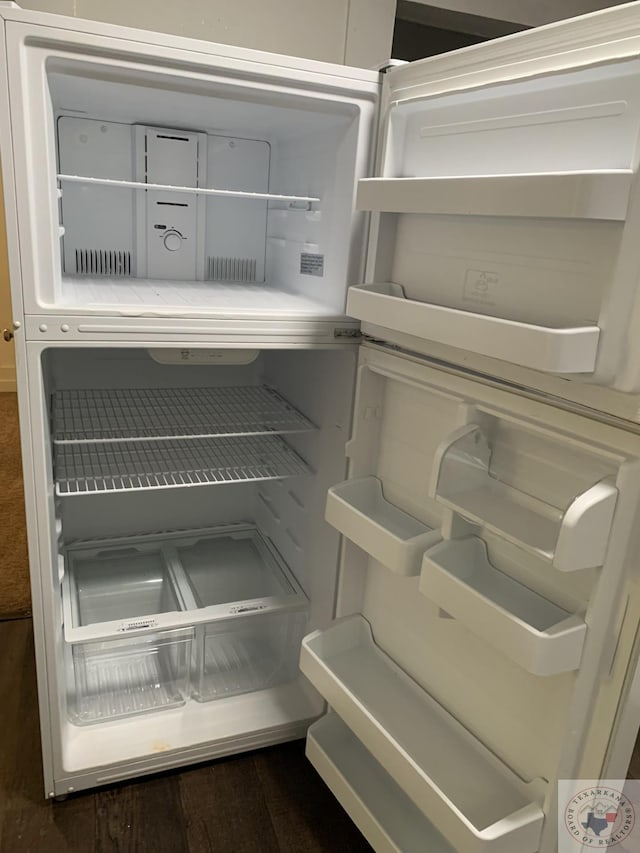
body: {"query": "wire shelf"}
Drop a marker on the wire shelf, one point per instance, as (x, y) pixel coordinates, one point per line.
(82, 469)
(141, 414)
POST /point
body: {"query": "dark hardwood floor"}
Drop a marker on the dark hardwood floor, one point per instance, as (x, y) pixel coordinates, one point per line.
(261, 802)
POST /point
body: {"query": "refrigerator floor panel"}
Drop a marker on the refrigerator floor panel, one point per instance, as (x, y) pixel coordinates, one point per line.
(201, 729)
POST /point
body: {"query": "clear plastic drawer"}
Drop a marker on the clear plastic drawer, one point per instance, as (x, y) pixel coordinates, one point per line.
(241, 655)
(127, 676)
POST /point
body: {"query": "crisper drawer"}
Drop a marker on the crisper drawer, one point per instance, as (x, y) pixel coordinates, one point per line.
(150, 621)
(503, 222)
(131, 675)
(239, 656)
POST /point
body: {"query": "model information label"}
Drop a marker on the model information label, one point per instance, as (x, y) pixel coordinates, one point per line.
(311, 264)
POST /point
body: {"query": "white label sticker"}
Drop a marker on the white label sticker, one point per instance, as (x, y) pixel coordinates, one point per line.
(311, 264)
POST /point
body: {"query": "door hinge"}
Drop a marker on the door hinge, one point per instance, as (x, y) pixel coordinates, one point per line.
(388, 65)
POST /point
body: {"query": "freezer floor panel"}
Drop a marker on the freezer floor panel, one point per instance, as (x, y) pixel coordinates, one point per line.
(118, 414)
(191, 299)
(124, 466)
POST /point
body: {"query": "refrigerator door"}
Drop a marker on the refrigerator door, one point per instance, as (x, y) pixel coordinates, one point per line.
(505, 210)
(166, 179)
(487, 612)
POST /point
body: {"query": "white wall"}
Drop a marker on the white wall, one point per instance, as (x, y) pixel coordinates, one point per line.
(354, 32)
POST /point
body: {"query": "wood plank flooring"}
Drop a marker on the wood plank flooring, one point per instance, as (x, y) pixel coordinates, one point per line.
(269, 801)
(15, 598)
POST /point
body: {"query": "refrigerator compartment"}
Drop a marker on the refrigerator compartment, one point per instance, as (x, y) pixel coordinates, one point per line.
(82, 469)
(537, 634)
(572, 533)
(120, 414)
(358, 509)
(255, 651)
(127, 582)
(565, 349)
(486, 809)
(129, 676)
(381, 810)
(573, 195)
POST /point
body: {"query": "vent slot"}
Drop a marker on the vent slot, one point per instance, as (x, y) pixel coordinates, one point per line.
(231, 269)
(109, 262)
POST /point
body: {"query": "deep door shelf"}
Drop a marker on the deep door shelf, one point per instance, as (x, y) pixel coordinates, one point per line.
(486, 808)
(535, 633)
(384, 814)
(557, 195)
(571, 539)
(358, 509)
(552, 350)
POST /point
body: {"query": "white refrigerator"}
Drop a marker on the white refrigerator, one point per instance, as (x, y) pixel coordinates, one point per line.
(329, 388)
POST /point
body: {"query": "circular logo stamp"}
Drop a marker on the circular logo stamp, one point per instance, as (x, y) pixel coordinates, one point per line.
(599, 817)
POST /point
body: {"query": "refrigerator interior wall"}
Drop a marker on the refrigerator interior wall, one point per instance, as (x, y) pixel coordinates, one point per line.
(183, 195)
(286, 513)
(508, 644)
(504, 220)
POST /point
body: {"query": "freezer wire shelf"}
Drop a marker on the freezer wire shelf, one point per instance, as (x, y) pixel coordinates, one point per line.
(129, 414)
(82, 469)
(122, 686)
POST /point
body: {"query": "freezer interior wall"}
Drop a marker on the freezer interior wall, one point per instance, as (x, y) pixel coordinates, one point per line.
(114, 124)
(288, 513)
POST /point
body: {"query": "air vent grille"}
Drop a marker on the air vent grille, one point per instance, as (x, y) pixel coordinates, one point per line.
(110, 262)
(231, 269)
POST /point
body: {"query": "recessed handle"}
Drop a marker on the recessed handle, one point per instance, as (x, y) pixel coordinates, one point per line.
(7, 334)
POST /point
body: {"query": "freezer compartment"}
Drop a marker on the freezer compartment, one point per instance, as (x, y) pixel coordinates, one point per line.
(128, 676)
(189, 192)
(485, 809)
(243, 655)
(381, 810)
(536, 633)
(359, 510)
